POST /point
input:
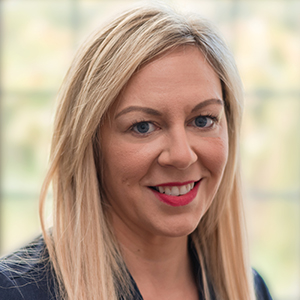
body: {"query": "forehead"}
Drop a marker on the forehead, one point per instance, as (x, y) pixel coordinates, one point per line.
(181, 75)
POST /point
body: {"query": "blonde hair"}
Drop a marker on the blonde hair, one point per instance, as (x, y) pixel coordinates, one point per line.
(82, 248)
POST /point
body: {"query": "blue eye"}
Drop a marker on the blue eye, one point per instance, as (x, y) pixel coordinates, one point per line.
(203, 121)
(143, 127)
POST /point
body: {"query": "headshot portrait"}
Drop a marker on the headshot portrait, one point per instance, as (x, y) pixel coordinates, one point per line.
(150, 150)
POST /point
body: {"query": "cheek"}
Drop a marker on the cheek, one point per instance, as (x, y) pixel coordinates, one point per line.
(126, 163)
(214, 155)
(117, 163)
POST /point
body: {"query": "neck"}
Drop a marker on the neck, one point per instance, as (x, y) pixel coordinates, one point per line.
(158, 264)
(155, 254)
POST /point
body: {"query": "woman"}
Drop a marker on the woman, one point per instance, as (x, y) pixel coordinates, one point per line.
(145, 171)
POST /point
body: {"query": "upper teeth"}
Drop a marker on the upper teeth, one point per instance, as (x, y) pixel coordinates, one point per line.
(176, 190)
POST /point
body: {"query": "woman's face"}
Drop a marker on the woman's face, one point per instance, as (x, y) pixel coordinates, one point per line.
(165, 146)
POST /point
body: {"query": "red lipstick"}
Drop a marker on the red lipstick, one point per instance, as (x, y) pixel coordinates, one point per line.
(176, 183)
(181, 200)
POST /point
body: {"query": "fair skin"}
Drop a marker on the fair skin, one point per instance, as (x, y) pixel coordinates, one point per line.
(166, 134)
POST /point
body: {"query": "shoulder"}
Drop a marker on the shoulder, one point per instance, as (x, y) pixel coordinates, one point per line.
(27, 274)
(261, 289)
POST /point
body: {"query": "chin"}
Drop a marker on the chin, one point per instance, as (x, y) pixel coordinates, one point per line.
(179, 229)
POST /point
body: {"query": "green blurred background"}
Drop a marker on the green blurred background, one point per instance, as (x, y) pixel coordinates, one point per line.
(38, 41)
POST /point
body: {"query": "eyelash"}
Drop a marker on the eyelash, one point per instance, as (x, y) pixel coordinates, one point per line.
(135, 123)
(214, 119)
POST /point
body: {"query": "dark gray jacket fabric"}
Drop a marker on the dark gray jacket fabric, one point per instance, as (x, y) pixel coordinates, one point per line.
(27, 274)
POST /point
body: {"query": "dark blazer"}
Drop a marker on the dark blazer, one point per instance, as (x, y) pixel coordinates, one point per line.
(27, 274)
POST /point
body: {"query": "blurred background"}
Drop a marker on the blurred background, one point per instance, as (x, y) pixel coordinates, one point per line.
(38, 41)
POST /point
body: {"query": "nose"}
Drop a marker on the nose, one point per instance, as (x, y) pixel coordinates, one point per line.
(177, 151)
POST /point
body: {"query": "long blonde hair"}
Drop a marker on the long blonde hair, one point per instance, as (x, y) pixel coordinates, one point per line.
(82, 248)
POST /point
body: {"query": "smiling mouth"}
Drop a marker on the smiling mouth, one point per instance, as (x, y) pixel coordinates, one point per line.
(175, 190)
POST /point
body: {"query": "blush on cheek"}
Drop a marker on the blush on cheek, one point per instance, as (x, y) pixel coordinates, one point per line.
(214, 154)
(220, 155)
(123, 165)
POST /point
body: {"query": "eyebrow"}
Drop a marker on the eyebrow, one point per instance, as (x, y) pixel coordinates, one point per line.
(154, 112)
(147, 110)
(208, 102)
